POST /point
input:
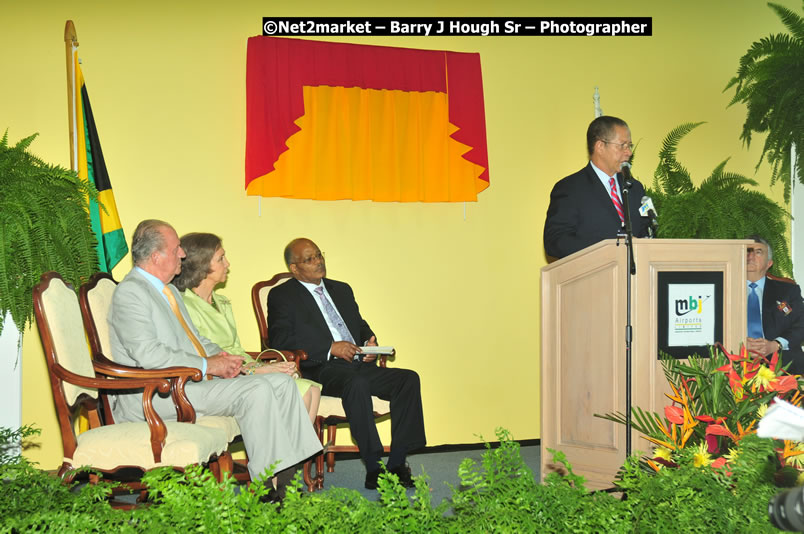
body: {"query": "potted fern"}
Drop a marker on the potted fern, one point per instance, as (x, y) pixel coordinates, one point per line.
(44, 226)
(768, 82)
(721, 207)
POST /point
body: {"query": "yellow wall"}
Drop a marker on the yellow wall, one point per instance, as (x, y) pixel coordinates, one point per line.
(453, 287)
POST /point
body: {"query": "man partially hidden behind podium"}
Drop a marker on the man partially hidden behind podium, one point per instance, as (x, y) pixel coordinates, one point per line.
(321, 317)
(587, 207)
(775, 310)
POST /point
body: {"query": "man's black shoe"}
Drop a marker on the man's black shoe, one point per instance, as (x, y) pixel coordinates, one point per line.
(274, 496)
(403, 472)
(371, 479)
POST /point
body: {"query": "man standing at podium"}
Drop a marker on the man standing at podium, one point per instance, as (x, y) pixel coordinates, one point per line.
(775, 310)
(587, 207)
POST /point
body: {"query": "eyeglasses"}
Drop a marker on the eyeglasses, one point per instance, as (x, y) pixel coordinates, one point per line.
(621, 146)
(311, 259)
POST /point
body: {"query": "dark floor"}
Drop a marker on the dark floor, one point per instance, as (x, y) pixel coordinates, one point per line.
(440, 464)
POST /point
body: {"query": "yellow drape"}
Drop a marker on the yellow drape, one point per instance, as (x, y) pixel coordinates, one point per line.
(367, 144)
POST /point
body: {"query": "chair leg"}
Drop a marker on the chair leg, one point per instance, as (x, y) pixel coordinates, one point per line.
(319, 460)
(223, 466)
(308, 478)
(319, 471)
(216, 469)
(66, 473)
(331, 431)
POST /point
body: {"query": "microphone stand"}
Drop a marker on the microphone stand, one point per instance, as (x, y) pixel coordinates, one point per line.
(629, 247)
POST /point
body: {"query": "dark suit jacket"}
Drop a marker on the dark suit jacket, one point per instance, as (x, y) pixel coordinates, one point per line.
(789, 325)
(296, 322)
(581, 213)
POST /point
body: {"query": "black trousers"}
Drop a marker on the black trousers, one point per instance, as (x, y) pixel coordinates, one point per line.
(355, 383)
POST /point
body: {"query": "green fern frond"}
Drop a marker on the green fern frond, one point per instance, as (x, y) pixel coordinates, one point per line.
(672, 139)
(722, 207)
(768, 82)
(791, 21)
(670, 176)
(44, 226)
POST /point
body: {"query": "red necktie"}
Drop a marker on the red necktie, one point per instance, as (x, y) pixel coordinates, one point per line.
(616, 199)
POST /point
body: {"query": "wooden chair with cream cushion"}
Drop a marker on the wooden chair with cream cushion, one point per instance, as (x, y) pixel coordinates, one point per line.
(330, 410)
(75, 382)
(96, 299)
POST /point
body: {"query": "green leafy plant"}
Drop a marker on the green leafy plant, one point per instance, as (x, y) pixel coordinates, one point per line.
(768, 82)
(33, 497)
(498, 494)
(722, 207)
(44, 226)
(692, 499)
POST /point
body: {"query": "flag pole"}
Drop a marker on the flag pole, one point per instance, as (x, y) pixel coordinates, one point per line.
(71, 45)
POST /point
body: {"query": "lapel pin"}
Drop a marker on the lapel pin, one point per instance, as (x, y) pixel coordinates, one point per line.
(783, 307)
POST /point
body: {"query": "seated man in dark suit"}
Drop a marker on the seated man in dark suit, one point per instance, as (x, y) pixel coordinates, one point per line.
(321, 317)
(587, 207)
(777, 324)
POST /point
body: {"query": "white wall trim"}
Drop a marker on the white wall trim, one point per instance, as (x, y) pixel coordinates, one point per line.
(10, 375)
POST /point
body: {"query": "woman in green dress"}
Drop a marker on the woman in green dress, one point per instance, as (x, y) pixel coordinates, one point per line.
(202, 270)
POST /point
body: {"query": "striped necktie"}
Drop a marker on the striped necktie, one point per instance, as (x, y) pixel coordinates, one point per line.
(615, 199)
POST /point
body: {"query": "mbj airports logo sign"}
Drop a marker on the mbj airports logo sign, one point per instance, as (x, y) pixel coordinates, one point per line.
(691, 315)
(690, 305)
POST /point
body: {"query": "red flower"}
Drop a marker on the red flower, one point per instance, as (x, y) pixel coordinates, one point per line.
(674, 414)
(783, 384)
(667, 463)
(709, 419)
(720, 462)
(718, 430)
(711, 444)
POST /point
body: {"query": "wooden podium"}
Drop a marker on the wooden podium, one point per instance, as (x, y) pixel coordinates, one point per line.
(583, 342)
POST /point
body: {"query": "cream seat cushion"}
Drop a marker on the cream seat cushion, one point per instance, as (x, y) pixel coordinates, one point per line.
(129, 444)
(333, 406)
(223, 422)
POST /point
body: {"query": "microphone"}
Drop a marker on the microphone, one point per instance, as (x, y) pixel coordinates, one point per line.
(647, 209)
(625, 170)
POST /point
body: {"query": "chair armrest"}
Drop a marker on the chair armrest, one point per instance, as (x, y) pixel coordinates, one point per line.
(154, 383)
(150, 386)
(178, 379)
(107, 367)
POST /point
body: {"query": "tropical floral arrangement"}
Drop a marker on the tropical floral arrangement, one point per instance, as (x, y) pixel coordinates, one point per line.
(715, 403)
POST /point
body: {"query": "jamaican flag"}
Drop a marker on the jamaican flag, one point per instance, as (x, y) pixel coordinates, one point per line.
(92, 167)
